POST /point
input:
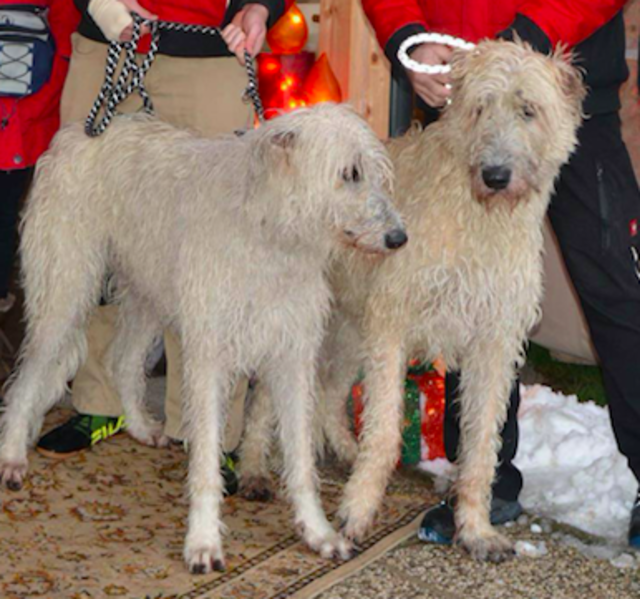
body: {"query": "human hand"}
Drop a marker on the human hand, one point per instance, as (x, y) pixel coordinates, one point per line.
(134, 6)
(433, 89)
(247, 31)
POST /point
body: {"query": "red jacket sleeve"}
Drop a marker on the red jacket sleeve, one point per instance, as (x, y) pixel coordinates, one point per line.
(388, 17)
(569, 21)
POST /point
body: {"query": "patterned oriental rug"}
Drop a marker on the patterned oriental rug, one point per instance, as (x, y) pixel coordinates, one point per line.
(111, 522)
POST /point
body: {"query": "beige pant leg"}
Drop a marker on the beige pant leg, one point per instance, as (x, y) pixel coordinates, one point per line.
(92, 386)
(203, 94)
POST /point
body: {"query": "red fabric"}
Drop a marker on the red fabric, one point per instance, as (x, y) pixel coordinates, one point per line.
(32, 121)
(568, 21)
(197, 12)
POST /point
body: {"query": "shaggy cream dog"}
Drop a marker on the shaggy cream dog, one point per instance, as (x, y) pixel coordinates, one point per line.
(225, 240)
(473, 189)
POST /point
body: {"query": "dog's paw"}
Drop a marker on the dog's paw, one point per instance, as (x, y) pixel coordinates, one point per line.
(256, 488)
(489, 547)
(329, 544)
(148, 433)
(203, 560)
(12, 473)
(356, 522)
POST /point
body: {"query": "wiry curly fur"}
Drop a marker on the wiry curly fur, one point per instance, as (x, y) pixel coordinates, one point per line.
(225, 240)
(467, 286)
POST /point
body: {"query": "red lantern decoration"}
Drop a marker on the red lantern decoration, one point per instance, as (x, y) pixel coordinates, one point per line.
(321, 84)
(290, 33)
(281, 78)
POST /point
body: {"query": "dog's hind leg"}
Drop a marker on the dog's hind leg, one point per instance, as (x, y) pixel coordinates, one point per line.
(487, 375)
(138, 326)
(255, 475)
(381, 439)
(62, 279)
(291, 380)
(338, 370)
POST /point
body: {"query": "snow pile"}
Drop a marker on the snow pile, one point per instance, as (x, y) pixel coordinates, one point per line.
(572, 469)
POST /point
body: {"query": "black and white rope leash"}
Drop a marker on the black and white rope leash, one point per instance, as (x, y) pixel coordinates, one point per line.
(131, 77)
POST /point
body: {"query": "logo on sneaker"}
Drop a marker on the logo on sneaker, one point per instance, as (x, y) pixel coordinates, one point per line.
(108, 430)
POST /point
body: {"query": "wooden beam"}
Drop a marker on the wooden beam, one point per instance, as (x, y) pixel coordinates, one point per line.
(355, 57)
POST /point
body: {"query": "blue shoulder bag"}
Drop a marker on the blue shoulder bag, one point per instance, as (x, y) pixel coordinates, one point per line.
(27, 49)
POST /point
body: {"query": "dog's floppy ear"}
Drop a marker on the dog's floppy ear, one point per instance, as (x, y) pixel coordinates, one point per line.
(284, 139)
(570, 75)
(275, 150)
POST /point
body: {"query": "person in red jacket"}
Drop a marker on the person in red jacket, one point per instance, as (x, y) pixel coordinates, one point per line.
(196, 81)
(27, 124)
(594, 211)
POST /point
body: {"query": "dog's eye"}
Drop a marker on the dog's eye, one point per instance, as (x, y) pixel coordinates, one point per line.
(528, 112)
(479, 111)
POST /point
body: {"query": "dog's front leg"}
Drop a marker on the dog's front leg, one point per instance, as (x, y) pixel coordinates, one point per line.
(291, 383)
(382, 436)
(206, 390)
(487, 376)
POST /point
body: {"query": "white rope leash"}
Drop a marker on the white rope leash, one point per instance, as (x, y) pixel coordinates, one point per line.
(429, 38)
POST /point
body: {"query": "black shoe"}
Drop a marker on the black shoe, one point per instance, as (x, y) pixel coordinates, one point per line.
(229, 474)
(78, 434)
(634, 525)
(438, 525)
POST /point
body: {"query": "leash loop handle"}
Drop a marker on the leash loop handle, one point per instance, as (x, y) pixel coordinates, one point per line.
(429, 38)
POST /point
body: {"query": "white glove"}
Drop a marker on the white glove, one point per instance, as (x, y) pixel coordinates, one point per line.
(111, 16)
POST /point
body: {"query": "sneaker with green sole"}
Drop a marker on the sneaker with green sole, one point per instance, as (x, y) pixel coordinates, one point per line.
(78, 434)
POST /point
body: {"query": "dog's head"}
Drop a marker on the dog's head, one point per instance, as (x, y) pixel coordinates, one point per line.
(514, 114)
(333, 173)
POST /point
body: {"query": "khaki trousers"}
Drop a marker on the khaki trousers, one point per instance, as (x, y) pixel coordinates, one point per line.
(203, 94)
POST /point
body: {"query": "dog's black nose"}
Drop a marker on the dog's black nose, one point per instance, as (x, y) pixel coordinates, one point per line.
(395, 239)
(496, 177)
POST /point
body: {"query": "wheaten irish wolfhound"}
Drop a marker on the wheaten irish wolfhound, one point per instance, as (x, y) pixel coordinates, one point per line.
(473, 189)
(227, 241)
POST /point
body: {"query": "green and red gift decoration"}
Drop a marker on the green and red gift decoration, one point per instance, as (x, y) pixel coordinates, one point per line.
(424, 413)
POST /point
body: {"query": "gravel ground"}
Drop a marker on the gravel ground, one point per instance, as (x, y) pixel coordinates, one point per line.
(415, 570)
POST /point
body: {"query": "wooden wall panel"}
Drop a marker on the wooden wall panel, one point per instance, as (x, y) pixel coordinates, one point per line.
(358, 62)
